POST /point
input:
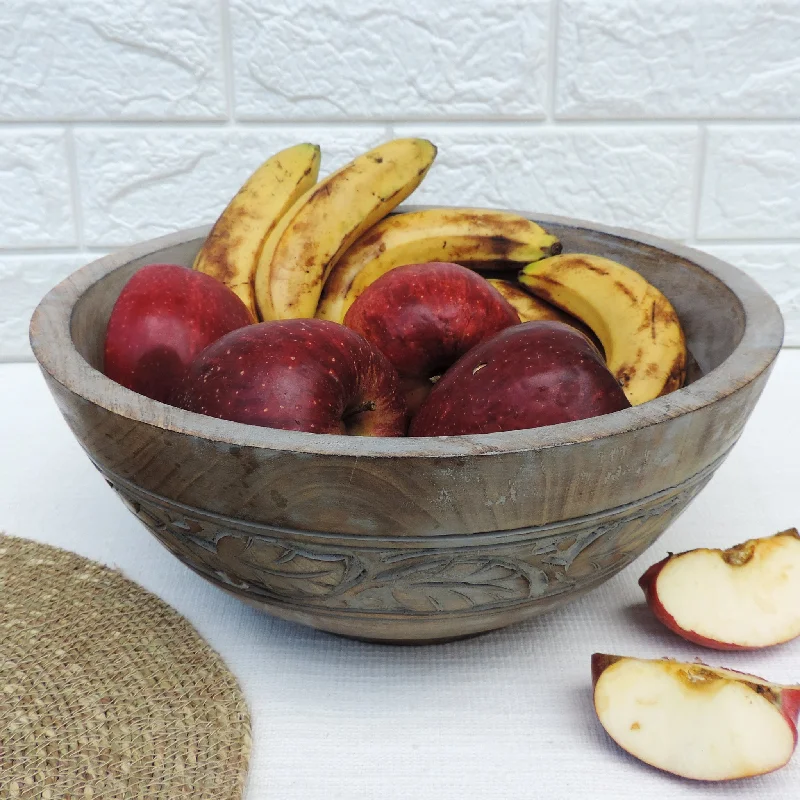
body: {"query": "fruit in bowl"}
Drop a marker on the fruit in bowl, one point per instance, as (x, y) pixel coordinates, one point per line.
(530, 375)
(163, 318)
(424, 317)
(414, 538)
(264, 446)
(291, 248)
(478, 237)
(300, 375)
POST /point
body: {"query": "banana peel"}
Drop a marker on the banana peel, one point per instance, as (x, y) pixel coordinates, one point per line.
(532, 309)
(644, 344)
(323, 223)
(232, 249)
(466, 236)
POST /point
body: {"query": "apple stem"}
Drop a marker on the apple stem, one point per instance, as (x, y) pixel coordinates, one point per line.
(369, 405)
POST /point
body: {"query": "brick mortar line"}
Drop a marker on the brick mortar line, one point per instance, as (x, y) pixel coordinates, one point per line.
(96, 251)
(74, 186)
(552, 61)
(698, 184)
(90, 252)
(778, 241)
(226, 54)
(391, 127)
(768, 123)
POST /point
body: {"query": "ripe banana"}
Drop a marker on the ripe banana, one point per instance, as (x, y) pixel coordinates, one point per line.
(528, 307)
(638, 327)
(231, 251)
(301, 251)
(532, 308)
(462, 235)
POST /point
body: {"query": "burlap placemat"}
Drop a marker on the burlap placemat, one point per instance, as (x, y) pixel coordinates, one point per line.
(107, 692)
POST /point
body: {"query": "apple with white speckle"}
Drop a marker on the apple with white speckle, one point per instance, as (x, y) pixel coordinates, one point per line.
(301, 375)
(529, 375)
(424, 317)
(164, 316)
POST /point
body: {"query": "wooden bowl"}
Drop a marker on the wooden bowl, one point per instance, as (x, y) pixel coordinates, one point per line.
(416, 540)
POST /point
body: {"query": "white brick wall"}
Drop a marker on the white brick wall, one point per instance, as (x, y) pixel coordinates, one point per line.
(776, 268)
(24, 279)
(106, 59)
(367, 59)
(125, 120)
(644, 59)
(752, 183)
(144, 182)
(640, 175)
(35, 199)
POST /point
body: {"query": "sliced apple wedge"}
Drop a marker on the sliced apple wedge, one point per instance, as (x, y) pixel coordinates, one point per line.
(742, 598)
(695, 721)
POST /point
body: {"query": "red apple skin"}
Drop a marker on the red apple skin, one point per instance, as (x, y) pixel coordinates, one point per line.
(534, 374)
(298, 374)
(165, 315)
(424, 317)
(790, 706)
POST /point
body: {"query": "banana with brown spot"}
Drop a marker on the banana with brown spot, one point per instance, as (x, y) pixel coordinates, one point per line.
(462, 235)
(532, 309)
(638, 327)
(300, 253)
(231, 251)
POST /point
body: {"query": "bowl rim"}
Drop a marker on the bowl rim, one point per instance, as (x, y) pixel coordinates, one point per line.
(53, 348)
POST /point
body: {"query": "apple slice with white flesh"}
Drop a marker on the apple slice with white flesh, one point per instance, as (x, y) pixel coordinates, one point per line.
(742, 598)
(695, 721)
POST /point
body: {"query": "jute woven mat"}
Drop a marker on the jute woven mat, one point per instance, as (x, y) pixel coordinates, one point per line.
(107, 692)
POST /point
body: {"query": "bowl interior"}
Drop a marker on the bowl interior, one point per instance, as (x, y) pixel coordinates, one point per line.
(712, 316)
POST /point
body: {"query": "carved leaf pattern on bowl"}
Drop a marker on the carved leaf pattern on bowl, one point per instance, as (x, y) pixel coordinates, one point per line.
(286, 571)
(431, 579)
(427, 583)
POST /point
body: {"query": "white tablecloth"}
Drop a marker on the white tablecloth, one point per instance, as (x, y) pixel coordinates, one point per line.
(507, 715)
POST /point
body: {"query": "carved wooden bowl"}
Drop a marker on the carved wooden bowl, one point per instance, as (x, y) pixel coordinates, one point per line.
(417, 540)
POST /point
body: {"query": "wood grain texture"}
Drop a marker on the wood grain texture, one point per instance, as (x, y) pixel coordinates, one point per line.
(269, 487)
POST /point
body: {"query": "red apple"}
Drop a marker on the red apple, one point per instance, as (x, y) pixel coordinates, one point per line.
(165, 315)
(424, 317)
(298, 374)
(742, 598)
(534, 374)
(695, 721)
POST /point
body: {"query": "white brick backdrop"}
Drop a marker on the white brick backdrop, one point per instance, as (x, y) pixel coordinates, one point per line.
(125, 120)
